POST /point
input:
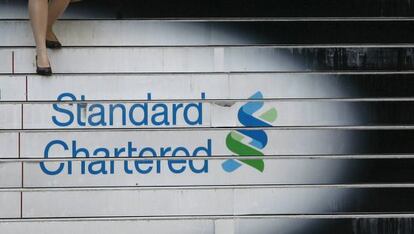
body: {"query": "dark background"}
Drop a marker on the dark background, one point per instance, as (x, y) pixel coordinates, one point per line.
(256, 8)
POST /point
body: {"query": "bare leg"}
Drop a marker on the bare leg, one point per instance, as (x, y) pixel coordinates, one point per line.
(56, 8)
(38, 12)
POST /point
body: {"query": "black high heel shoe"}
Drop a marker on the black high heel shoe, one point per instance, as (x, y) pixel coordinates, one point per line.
(44, 71)
(53, 44)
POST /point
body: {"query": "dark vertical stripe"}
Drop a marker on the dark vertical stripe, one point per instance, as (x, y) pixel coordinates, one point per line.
(27, 89)
(13, 65)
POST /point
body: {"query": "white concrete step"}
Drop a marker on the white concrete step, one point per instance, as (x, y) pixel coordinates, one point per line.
(188, 86)
(128, 226)
(156, 59)
(130, 33)
(195, 114)
(283, 171)
(218, 224)
(283, 141)
(203, 201)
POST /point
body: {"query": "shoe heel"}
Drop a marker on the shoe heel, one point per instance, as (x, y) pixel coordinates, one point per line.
(43, 71)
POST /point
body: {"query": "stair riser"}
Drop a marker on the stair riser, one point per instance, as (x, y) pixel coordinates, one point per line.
(214, 202)
(202, 114)
(207, 59)
(234, 8)
(219, 225)
(215, 86)
(199, 33)
(290, 142)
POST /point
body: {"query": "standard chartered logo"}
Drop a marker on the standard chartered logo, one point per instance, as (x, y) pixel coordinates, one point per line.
(245, 142)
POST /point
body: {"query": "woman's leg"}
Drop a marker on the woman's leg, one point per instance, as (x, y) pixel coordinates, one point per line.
(38, 11)
(56, 8)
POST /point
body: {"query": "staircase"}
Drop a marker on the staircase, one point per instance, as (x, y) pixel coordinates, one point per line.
(291, 122)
